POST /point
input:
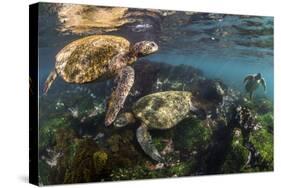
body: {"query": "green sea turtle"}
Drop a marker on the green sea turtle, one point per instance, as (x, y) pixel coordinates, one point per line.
(101, 57)
(252, 83)
(162, 110)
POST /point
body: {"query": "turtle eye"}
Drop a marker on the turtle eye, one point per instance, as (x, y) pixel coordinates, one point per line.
(152, 44)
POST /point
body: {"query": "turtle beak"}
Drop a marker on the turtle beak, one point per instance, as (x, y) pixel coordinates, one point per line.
(154, 47)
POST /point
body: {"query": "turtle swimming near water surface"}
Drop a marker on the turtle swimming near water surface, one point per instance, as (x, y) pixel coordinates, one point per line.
(162, 110)
(252, 83)
(101, 57)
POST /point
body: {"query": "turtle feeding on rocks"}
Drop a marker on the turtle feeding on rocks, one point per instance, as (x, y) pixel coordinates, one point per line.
(101, 57)
(162, 110)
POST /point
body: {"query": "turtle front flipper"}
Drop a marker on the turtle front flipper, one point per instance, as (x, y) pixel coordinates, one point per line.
(52, 76)
(125, 79)
(248, 78)
(145, 142)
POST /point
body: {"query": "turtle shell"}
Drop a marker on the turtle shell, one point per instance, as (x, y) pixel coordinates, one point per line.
(163, 110)
(88, 59)
(252, 85)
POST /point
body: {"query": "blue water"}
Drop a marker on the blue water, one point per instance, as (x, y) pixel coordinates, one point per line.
(225, 47)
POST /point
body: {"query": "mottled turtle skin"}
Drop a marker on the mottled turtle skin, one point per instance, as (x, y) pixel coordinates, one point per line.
(162, 110)
(252, 82)
(101, 57)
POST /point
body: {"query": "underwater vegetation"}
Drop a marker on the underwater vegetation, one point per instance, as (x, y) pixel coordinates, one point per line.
(198, 134)
(145, 172)
(88, 163)
(262, 140)
(47, 132)
(238, 156)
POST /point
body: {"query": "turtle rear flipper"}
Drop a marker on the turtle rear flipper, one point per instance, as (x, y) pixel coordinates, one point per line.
(251, 95)
(145, 142)
(52, 76)
(125, 80)
(263, 83)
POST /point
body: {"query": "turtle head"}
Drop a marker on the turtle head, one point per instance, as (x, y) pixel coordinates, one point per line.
(258, 76)
(124, 119)
(197, 109)
(145, 48)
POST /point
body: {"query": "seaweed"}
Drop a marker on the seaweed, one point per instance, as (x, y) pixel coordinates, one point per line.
(89, 163)
(47, 131)
(192, 135)
(262, 140)
(238, 156)
(144, 172)
(124, 149)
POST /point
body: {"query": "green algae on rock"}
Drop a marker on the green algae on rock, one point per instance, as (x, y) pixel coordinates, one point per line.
(266, 120)
(237, 156)
(48, 129)
(262, 140)
(123, 149)
(192, 135)
(144, 172)
(100, 160)
(89, 163)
